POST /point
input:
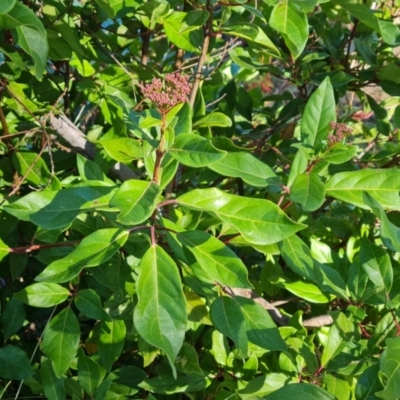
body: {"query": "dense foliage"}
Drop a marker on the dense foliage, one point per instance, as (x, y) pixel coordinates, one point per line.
(199, 199)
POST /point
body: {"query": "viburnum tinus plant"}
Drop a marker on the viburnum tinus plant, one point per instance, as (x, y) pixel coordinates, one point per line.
(199, 199)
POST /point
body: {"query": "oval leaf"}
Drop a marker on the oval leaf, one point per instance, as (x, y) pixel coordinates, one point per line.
(95, 249)
(382, 184)
(136, 200)
(88, 303)
(14, 363)
(160, 315)
(195, 151)
(123, 150)
(259, 221)
(300, 391)
(42, 294)
(213, 119)
(309, 191)
(319, 112)
(61, 340)
(215, 261)
(245, 166)
(111, 342)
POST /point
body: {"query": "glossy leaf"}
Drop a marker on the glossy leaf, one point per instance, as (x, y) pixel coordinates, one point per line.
(14, 363)
(339, 153)
(300, 391)
(308, 190)
(245, 166)
(368, 384)
(291, 22)
(390, 370)
(169, 385)
(173, 25)
(111, 342)
(319, 112)
(58, 209)
(260, 328)
(382, 184)
(29, 163)
(88, 303)
(253, 33)
(330, 281)
(12, 318)
(6, 7)
(215, 261)
(390, 233)
(53, 387)
(29, 33)
(89, 170)
(42, 294)
(259, 221)
(377, 265)
(93, 250)
(227, 317)
(160, 315)
(213, 119)
(305, 290)
(4, 249)
(195, 151)
(124, 150)
(137, 200)
(90, 374)
(297, 256)
(61, 340)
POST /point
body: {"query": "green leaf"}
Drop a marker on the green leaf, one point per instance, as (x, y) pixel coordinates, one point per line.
(361, 12)
(93, 250)
(58, 209)
(53, 387)
(213, 119)
(123, 150)
(253, 33)
(189, 40)
(330, 281)
(291, 22)
(195, 151)
(227, 317)
(14, 363)
(111, 342)
(137, 200)
(12, 318)
(304, 290)
(368, 384)
(4, 249)
(260, 328)
(308, 190)
(61, 340)
(160, 315)
(23, 161)
(187, 361)
(42, 294)
(339, 153)
(167, 385)
(300, 391)
(90, 374)
(320, 110)
(376, 263)
(5, 7)
(89, 170)
(390, 233)
(215, 261)
(29, 34)
(88, 303)
(390, 370)
(298, 257)
(382, 184)
(259, 221)
(245, 166)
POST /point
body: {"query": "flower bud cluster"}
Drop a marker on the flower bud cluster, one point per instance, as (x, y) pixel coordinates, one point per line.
(165, 95)
(342, 130)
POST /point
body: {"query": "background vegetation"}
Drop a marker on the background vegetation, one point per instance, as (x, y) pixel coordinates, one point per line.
(199, 199)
